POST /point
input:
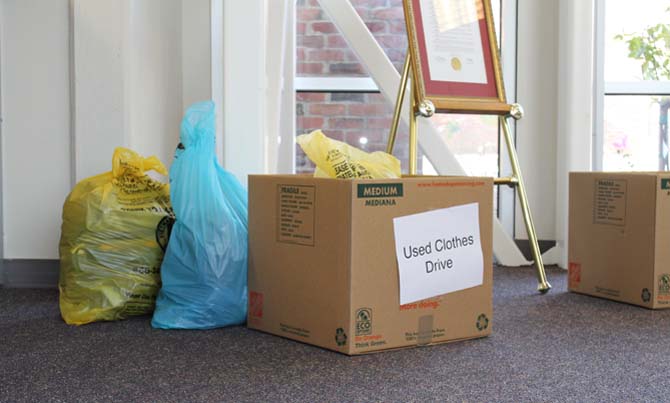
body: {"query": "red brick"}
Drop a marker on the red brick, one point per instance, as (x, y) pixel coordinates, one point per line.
(300, 28)
(368, 109)
(346, 123)
(395, 3)
(327, 109)
(376, 26)
(350, 56)
(337, 41)
(308, 14)
(309, 123)
(311, 41)
(388, 13)
(347, 97)
(363, 12)
(369, 3)
(310, 97)
(379, 123)
(315, 3)
(300, 54)
(376, 99)
(323, 27)
(398, 27)
(392, 41)
(335, 134)
(396, 54)
(373, 135)
(326, 55)
(346, 69)
(309, 68)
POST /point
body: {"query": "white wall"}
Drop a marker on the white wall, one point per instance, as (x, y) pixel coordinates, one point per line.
(131, 81)
(537, 71)
(155, 101)
(100, 35)
(36, 124)
(196, 51)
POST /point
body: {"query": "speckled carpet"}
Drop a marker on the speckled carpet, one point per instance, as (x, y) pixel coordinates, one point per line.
(560, 347)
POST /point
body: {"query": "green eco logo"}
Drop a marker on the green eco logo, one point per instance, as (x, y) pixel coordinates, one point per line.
(380, 190)
(664, 284)
(665, 183)
(363, 321)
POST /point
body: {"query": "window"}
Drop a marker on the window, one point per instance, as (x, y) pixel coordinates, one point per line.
(336, 93)
(633, 83)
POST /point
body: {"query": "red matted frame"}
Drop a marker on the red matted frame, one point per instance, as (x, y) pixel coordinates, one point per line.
(457, 97)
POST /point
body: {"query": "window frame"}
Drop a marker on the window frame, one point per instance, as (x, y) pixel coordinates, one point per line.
(507, 43)
(604, 88)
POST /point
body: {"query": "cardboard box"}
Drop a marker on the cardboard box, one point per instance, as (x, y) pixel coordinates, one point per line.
(323, 268)
(619, 237)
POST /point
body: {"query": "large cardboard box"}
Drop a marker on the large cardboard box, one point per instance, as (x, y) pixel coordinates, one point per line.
(619, 237)
(323, 269)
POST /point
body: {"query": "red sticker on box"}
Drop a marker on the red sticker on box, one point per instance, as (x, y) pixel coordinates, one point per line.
(256, 304)
(574, 274)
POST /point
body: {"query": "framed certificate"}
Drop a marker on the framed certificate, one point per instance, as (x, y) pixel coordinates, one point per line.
(454, 55)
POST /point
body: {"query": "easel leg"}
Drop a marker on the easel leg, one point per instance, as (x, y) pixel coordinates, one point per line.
(398, 105)
(543, 284)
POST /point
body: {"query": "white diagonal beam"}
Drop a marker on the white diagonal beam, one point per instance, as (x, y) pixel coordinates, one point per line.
(387, 78)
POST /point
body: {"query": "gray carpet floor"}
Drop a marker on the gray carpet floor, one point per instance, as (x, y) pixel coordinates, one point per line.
(559, 347)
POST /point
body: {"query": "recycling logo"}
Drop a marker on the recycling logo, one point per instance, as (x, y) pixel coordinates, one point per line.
(646, 295)
(482, 322)
(340, 337)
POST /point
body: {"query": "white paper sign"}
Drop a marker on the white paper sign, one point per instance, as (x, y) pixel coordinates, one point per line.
(438, 252)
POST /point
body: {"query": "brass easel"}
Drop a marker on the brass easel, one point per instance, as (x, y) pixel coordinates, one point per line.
(425, 108)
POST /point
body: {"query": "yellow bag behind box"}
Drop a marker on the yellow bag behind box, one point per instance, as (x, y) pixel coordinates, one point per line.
(115, 229)
(335, 159)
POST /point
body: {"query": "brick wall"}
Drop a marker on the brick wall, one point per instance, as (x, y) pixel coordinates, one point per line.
(323, 51)
(364, 120)
(360, 119)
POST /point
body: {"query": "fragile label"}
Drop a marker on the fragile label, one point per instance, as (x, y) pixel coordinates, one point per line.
(609, 204)
(296, 214)
(438, 252)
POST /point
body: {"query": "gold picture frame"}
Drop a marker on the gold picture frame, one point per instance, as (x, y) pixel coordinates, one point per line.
(456, 97)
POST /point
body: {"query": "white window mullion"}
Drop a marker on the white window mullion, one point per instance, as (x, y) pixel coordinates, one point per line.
(599, 87)
(508, 28)
(245, 87)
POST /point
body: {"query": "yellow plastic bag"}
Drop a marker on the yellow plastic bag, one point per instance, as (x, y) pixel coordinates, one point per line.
(115, 228)
(335, 159)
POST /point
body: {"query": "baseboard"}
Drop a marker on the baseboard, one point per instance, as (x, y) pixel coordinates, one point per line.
(30, 273)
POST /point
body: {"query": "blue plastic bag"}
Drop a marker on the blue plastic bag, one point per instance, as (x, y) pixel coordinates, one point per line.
(204, 271)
